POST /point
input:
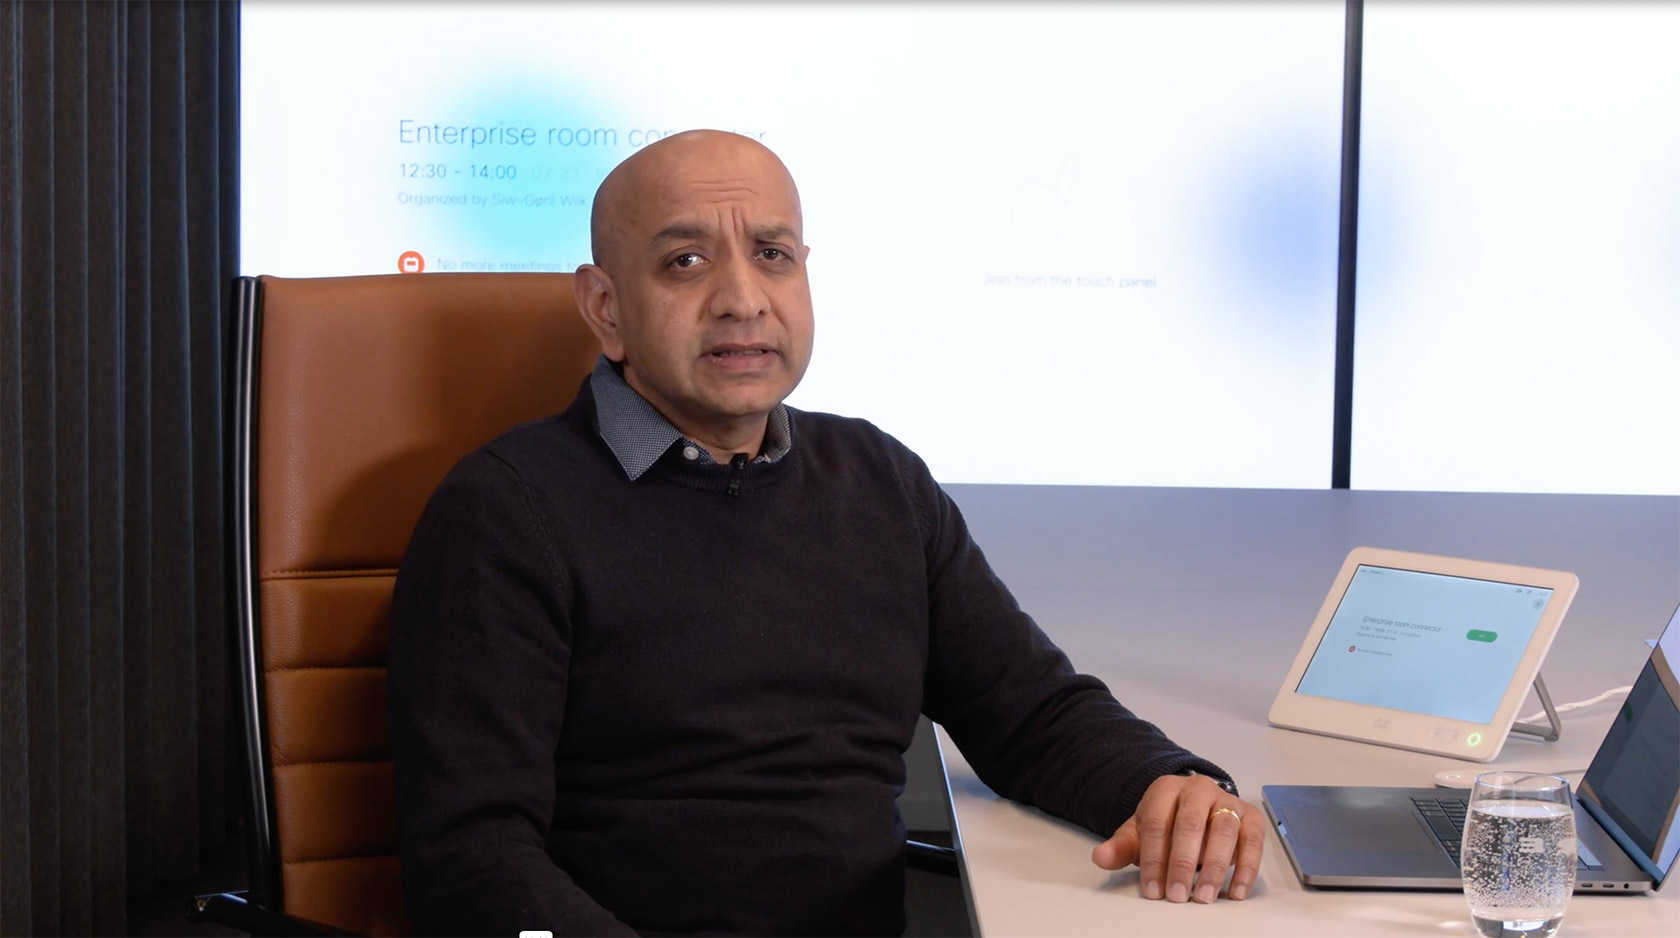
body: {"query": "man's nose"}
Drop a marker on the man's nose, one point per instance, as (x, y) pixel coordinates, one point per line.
(740, 292)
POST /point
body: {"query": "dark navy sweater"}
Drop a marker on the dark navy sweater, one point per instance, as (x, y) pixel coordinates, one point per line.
(656, 706)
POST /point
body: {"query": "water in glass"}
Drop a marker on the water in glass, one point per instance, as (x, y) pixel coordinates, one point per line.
(1518, 854)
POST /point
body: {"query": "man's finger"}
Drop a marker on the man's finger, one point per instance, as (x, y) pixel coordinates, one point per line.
(1189, 828)
(1223, 827)
(1251, 843)
(1119, 851)
(1154, 819)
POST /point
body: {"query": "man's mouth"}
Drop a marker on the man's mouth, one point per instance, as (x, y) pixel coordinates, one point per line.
(738, 351)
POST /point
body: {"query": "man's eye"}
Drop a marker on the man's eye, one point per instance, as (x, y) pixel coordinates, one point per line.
(773, 254)
(685, 260)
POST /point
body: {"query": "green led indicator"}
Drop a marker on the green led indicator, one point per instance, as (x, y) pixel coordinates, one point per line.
(1474, 739)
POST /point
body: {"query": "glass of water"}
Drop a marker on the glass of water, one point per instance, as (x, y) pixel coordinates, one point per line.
(1518, 854)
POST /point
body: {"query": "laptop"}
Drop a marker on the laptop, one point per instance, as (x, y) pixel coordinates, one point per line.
(1627, 830)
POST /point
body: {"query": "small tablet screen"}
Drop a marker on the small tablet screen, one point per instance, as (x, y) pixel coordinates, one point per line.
(1635, 778)
(1445, 646)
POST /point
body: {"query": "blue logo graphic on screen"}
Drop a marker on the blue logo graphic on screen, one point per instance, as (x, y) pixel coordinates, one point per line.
(1425, 643)
(502, 180)
(1272, 232)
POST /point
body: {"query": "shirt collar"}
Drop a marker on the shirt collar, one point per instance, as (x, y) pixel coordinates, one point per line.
(638, 434)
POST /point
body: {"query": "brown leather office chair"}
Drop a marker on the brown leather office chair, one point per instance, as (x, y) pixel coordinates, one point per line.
(352, 397)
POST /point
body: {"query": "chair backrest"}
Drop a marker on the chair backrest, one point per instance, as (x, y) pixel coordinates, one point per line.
(353, 397)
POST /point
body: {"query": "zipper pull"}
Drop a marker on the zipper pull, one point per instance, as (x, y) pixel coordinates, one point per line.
(737, 469)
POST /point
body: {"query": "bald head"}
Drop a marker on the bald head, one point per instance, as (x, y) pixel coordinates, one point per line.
(674, 170)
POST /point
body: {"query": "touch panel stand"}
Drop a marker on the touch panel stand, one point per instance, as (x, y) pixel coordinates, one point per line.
(1548, 733)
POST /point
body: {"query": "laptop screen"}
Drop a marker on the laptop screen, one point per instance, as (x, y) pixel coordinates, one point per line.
(1429, 643)
(1633, 784)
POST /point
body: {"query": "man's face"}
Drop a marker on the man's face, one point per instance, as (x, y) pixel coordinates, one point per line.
(708, 292)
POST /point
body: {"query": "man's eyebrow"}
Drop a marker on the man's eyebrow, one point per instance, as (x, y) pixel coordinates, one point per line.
(773, 233)
(685, 231)
(679, 232)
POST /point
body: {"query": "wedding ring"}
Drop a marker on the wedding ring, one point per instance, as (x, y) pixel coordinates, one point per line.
(1224, 810)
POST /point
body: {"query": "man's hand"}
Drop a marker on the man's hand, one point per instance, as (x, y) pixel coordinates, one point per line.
(1182, 823)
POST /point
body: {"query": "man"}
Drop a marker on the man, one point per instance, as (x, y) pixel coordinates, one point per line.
(655, 660)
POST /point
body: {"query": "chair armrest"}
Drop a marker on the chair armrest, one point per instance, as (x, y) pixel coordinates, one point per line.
(929, 858)
(235, 911)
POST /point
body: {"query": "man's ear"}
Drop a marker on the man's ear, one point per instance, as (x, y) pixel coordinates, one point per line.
(598, 302)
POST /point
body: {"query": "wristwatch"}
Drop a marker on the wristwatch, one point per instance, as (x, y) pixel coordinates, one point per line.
(1225, 785)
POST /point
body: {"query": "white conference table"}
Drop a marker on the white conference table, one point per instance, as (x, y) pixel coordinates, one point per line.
(1191, 605)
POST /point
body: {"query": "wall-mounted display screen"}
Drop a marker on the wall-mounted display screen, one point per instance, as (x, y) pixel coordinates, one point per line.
(1083, 243)
(1518, 289)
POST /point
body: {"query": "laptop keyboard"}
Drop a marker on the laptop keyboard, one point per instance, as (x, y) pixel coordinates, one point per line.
(1446, 820)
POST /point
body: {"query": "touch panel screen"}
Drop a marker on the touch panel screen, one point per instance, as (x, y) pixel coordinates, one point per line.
(1425, 643)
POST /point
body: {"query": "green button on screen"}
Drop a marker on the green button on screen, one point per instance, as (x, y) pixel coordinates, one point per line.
(1478, 635)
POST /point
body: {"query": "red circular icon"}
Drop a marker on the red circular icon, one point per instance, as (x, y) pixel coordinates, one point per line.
(1350, 648)
(410, 262)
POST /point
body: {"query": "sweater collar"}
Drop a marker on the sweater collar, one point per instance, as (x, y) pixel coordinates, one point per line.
(639, 435)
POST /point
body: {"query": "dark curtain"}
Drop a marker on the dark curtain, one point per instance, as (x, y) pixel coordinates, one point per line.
(118, 155)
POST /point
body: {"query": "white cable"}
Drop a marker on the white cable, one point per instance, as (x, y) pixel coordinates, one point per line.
(1576, 705)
